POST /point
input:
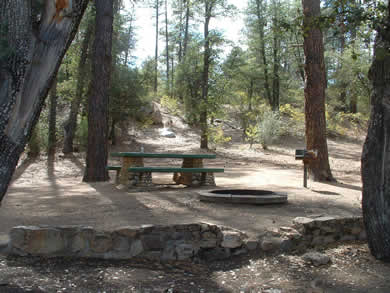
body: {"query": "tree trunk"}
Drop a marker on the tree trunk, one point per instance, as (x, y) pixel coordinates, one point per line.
(52, 139)
(34, 146)
(205, 80)
(185, 42)
(276, 49)
(376, 152)
(96, 162)
(70, 125)
(343, 85)
(261, 24)
(167, 48)
(156, 50)
(112, 135)
(35, 50)
(315, 91)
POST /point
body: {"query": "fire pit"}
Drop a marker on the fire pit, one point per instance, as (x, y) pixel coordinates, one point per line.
(243, 196)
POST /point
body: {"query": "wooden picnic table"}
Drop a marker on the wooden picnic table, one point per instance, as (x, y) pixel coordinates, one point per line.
(133, 172)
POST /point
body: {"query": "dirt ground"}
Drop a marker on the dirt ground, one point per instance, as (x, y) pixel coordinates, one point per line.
(53, 194)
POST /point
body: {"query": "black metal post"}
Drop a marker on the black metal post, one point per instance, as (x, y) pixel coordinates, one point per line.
(304, 174)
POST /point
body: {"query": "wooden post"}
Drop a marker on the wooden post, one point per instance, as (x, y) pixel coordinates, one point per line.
(304, 174)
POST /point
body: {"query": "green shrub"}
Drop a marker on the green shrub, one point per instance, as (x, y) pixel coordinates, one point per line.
(170, 104)
(269, 128)
(82, 133)
(266, 131)
(340, 123)
(217, 135)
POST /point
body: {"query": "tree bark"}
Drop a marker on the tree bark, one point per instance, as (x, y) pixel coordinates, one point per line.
(167, 48)
(34, 146)
(376, 152)
(205, 78)
(36, 44)
(96, 161)
(261, 24)
(70, 125)
(187, 22)
(276, 65)
(156, 50)
(315, 121)
(52, 138)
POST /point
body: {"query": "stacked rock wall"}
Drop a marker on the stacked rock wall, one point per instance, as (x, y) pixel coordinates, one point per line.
(176, 242)
(179, 242)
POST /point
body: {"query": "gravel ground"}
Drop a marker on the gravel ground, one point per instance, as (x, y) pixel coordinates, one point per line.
(352, 269)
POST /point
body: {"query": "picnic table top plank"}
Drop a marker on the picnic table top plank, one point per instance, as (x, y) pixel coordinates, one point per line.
(173, 169)
(163, 155)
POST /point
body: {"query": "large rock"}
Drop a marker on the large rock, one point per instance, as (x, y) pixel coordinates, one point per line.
(185, 251)
(80, 243)
(136, 248)
(37, 240)
(208, 240)
(101, 243)
(231, 239)
(316, 258)
(4, 244)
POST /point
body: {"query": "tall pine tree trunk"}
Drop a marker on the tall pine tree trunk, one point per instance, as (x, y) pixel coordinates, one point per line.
(52, 139)
(186, 27)
(34, 51)
(156, 50)
(96, 162)
(205, 80)
(276, 65)
(315, 122)
(260, 10)
(70, 125)
(376, 151)
(167, 48)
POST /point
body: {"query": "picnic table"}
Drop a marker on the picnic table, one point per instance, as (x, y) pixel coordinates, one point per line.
(132, 171)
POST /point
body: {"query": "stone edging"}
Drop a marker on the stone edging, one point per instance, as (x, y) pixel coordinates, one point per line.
(178, 242)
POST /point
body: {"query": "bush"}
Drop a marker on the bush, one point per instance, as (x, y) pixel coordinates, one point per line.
(170, 104)
(293, 119)
(267, 130)
(217, 135)
(82, 133)
(340, 123)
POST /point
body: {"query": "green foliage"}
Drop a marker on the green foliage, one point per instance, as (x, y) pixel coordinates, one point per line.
(170, 104)
(267, 130)
(82, 133)
(339, 123)
(350, 78)
(217, 135)
(252, 134)
(145, 122)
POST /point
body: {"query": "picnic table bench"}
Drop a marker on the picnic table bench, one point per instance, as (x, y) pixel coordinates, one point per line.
(132, 171)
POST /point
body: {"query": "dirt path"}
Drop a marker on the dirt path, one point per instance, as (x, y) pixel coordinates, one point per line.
(55, 195)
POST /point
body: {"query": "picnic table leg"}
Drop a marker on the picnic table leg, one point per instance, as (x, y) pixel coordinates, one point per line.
(130, 178)
(124, 174)
(208, 179)
(191, 179)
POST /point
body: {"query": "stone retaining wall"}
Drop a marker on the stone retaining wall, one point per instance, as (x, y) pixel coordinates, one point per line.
(179, 242)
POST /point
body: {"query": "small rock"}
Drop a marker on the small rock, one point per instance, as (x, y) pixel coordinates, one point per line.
(316, 258)
(166, 132)
(302, 221)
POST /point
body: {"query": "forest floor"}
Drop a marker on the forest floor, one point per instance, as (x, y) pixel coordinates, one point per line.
(53, 193)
